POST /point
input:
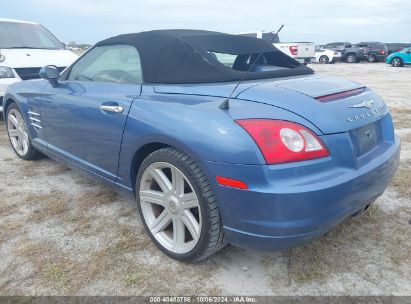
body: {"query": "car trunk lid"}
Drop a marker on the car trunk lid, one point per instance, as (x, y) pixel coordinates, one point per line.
(333, 104)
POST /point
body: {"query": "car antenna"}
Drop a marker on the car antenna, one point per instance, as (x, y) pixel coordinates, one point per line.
(225, 105)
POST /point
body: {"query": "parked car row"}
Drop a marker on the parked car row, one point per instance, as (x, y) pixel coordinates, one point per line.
(363, 51)
(307, 52)
(304, 52)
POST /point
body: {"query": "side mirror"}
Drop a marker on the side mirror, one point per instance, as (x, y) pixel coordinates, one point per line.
(50, 73)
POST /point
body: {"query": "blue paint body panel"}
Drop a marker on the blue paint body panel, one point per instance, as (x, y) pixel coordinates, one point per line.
(285, 205)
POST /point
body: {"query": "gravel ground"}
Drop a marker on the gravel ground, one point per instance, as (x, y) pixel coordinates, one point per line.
(62, 234)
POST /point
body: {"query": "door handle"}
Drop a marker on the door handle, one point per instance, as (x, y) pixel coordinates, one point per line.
(115, 109)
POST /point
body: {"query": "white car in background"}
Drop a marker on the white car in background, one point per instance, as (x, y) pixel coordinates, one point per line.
(300, 51)
(326, 56)
(25, 47)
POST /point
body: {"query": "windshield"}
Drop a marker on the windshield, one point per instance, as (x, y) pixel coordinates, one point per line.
(25, 35)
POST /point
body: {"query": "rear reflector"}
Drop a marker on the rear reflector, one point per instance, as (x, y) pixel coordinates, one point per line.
(229, 182)
(340, 95)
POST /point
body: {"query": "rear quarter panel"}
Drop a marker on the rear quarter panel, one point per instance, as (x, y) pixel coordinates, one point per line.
(196, 126)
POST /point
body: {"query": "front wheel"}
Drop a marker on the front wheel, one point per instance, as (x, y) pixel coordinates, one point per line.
(18, 134)
(178, 207)
(324, 59)
(396, 62)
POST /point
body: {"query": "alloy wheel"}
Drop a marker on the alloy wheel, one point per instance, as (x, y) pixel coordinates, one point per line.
(170, 207)
(396, 62)
(17, 132)
(324, 59)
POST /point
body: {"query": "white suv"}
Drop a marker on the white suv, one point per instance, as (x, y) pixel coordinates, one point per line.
(25, 47)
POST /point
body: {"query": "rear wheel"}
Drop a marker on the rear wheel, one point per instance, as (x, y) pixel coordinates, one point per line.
(18, 134)
(351, 58)
(396, 62)
(324, 59)
(177, 206)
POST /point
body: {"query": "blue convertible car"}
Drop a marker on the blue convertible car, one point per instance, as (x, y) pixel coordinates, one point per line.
(268, 162)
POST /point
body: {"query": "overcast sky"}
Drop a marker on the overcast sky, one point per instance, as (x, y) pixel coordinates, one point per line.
(320, 21)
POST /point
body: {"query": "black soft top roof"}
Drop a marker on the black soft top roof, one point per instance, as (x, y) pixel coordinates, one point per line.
(183, 56)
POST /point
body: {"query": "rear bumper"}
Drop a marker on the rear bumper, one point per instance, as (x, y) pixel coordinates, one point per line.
(287, 205)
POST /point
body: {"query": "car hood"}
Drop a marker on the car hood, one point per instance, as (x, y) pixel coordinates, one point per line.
(28, 58)
(299, 96)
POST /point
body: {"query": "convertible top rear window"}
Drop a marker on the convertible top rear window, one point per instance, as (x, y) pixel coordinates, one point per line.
(190, 56)
(268, 61)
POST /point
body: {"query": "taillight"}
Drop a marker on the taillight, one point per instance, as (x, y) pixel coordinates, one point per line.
(382, 52)
(293, 49)
(283, 141)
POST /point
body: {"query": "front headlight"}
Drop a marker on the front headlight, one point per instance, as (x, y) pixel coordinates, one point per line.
(6, 72)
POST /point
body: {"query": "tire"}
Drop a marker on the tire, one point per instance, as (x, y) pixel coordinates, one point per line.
(396, 62)
(18, 136)
(187, 230)
(324, 59)
(351, 58)
(372, 59)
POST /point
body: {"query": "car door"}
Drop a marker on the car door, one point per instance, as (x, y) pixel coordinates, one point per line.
(84, 115)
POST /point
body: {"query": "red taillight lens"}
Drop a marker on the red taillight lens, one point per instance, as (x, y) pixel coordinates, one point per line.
(293, 49)
(382, 52)
(283, 141)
